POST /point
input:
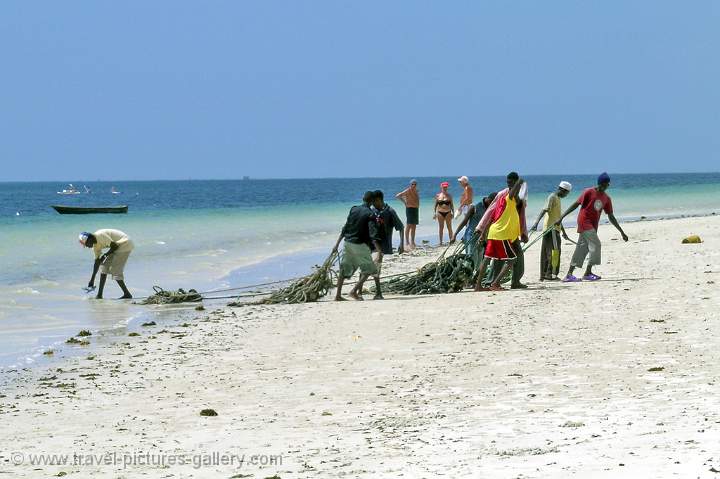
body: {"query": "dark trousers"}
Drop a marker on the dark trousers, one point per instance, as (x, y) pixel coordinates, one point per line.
(519, 265)
(550, 242)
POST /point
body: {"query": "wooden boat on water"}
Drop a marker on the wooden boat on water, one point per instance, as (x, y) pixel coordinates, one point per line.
(89, 210)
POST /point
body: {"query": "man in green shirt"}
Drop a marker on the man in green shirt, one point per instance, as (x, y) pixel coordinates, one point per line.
(550, 251)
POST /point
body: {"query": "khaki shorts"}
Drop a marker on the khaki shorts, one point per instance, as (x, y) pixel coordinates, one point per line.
(115, 265)
(354, 257)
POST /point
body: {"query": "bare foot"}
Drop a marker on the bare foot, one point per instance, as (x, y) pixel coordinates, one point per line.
(355, 296)
(99, 296)
(482, 288)
(496, 287)
(340, 298)
(126, 296)
(379, 296)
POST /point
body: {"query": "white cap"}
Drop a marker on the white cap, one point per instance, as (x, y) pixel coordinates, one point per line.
(463, 179)
(83, 237)
(565, 185)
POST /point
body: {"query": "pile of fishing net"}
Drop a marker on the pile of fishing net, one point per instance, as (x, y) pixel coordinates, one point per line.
(449, 274)
(306, 289)
(162, 296)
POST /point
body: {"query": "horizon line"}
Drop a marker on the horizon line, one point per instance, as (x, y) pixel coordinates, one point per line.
(250, 178)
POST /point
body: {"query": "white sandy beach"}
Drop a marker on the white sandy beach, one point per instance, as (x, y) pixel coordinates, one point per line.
(609, 379)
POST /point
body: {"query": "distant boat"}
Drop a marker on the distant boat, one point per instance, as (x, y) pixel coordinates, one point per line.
(70, 190)
(114, 191)
(82, 210)
(87, 190)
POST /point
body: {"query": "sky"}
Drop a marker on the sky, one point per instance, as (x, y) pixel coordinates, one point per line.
(176, 89)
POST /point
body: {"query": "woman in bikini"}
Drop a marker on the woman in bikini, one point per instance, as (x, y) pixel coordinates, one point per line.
(443, 211)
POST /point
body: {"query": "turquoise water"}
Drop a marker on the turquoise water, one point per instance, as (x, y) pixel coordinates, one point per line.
(212, 235)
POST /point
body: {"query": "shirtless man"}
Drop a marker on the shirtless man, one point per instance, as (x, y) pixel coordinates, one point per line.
(411, 199)
(466, 199)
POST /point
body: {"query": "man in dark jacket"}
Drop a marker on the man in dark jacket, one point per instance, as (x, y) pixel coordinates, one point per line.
(360, 231)
(387, 220)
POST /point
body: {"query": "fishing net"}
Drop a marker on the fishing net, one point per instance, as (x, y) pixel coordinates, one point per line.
(304, 290)
(447, 274)
(162, 296)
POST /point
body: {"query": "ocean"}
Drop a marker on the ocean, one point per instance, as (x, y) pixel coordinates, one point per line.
(212, 235)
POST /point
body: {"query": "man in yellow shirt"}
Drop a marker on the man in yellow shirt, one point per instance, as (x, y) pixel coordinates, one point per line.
(501, 236)
(550, 251)
(119, 246)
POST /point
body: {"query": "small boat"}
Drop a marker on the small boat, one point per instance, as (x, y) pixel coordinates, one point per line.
(84, 210)
(114, 191)
(70, 190)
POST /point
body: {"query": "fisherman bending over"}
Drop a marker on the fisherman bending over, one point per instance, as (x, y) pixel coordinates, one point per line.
(119, 246)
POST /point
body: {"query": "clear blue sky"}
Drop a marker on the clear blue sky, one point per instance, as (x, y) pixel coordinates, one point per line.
(221, 89)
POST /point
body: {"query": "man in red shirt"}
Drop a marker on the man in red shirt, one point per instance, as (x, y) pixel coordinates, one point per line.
(592, 202)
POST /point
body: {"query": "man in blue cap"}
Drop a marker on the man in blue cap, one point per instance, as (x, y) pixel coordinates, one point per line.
(592, 202)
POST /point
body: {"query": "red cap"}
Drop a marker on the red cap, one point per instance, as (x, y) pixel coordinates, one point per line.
(444, 184)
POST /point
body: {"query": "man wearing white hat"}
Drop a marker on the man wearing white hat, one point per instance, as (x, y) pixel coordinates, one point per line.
(466, 199)
(550, 251)
(113, 261)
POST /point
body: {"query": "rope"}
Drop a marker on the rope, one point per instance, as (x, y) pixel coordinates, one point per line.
(251, 286)
(171, 297)
(308, 288)
(537, 239)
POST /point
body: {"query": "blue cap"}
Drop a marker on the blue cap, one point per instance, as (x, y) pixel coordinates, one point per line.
(603, 178)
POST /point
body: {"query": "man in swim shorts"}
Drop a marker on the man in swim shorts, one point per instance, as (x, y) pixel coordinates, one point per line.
(410, 197)
(466, 198)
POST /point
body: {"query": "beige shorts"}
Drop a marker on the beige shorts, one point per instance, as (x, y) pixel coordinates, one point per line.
(354, 257)
(115, 265)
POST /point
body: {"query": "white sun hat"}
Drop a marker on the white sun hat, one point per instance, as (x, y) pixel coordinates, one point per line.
(565, 185)
(463, 179)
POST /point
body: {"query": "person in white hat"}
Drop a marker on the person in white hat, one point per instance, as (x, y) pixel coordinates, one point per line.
(551, 244)
(466, 199)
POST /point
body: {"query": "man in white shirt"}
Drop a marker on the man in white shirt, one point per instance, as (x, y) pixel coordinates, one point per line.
(119, 246)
